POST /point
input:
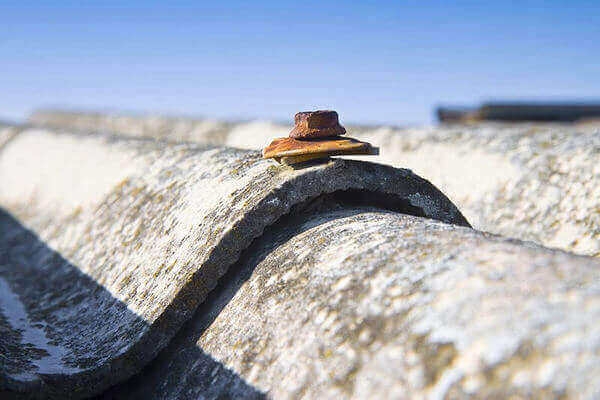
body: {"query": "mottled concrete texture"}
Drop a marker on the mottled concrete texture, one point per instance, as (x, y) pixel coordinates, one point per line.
(108, 245)
(208, 131)
(361, 303)
(531, 181)
(112, 250)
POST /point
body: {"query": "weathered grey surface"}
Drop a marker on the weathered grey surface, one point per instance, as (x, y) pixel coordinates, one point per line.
(363, 303)
(158, 127)
(528, 181)
(538, 182)
(252, 135)
(108, 245)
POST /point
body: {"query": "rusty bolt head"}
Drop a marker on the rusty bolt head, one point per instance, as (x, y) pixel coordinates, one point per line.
(316, 124)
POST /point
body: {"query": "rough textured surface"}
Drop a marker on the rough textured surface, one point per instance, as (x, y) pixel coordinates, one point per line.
(538, 182)
(528, 181)
(207, 131)
(340, 298)
(108, 245)
(362, 303)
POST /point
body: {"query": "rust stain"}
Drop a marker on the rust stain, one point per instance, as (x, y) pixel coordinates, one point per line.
(286, 147)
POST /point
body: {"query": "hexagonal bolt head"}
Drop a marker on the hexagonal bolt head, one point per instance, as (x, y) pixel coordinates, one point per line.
(316, 124)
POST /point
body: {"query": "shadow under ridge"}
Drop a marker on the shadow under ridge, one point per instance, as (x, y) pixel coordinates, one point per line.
(183, 370)
(62, 335)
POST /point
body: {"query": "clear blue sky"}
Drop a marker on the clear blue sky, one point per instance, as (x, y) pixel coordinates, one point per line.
(377, 62)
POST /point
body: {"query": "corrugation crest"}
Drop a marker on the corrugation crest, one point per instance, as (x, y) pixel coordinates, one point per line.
(108, 245)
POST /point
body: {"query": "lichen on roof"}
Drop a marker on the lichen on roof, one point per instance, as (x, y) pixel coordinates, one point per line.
(134, 267)
(123, 238)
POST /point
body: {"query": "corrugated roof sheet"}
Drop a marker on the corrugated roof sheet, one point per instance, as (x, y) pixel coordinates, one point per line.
(109, 245)
(531, 181)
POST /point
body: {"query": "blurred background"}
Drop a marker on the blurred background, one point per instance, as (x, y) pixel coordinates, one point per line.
(386, 62)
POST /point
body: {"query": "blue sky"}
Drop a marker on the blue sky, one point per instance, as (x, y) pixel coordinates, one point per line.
(373, 62)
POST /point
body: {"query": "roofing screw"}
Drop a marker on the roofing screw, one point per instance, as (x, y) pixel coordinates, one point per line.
(316, 136)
